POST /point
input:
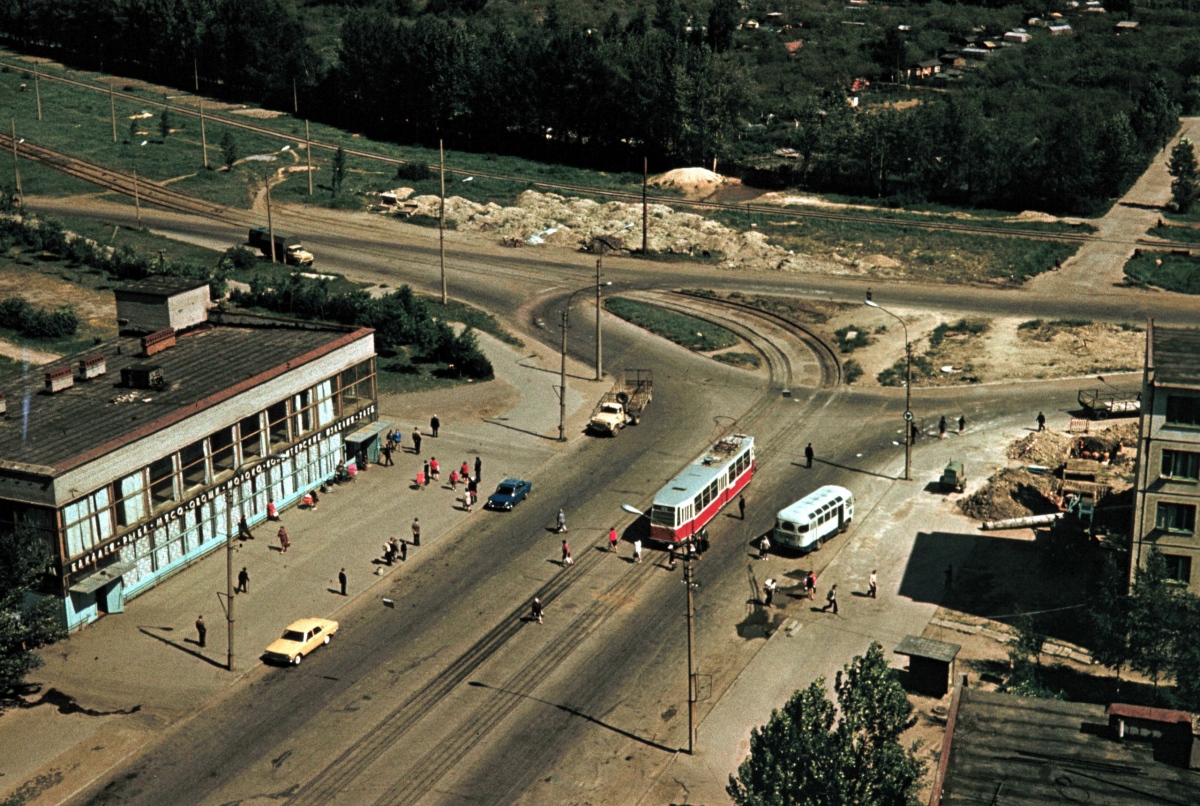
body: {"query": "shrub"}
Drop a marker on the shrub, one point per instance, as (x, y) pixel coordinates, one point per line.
(852, 370)
(972, 327)
(17, 314)
(851, 337)
(413, 171)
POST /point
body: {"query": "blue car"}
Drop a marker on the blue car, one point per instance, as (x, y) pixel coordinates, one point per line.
(509, 493)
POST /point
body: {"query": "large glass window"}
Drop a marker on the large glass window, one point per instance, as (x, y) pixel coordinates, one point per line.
(192, 466)
(220, 448)
(302, 405)
(1183, 410)
(326, 411)
(1181, 465)
(357, 386)
(88, 522)
(162, 482)
(277, 425)
(251, 437)
(663, 516)
(1179, 568)
(131, 499)
(1176, 517)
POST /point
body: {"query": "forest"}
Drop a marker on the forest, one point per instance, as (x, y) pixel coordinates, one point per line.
(1061, 124)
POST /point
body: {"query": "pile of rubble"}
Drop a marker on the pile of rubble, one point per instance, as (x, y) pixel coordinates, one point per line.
(1011, 493)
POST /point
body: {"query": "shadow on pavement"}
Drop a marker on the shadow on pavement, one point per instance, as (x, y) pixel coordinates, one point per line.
(181, 648)
(66, 704)
(848, 467)
(580, 714)
(494, 421)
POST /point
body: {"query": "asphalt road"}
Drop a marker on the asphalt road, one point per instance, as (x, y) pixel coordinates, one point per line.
(451, 696)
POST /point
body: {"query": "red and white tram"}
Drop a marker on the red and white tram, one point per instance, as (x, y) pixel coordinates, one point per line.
(695, 496)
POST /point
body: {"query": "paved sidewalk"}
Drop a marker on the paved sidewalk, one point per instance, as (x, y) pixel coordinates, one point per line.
(107, 689)
(909, 534)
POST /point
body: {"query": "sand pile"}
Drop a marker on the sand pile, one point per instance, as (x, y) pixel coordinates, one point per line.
(691, 181)
(1011, 493)
(1046, 448)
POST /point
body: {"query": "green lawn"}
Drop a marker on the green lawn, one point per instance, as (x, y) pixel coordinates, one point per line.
(695, 334)
(1164, 270)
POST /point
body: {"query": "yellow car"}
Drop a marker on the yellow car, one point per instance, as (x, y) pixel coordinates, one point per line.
(300, 638)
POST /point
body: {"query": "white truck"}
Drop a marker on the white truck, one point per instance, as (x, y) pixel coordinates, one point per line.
(287, 247)
(624, 404)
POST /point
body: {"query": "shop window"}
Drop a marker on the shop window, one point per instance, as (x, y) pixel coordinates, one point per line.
(1176, 517)
(251, 433)
(131, 499)
(357, 386)
(88, 522)
(277, 425)
(1183, 410)
(193, 466)
(326, 412)
(1183, 465)
(302, 404)
(1179, 568)
(220, 448)
(162, 483)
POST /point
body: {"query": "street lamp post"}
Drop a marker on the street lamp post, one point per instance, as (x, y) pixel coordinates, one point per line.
(908, 415)
(562, 373)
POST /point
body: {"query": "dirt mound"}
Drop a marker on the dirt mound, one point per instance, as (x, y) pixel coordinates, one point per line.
(1011, 493)
(1048, 448)
(689, 180)
(1035, 215)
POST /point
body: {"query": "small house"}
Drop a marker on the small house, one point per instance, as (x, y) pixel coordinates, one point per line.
(927, 68)
(1061, 29)
(793, 47)
(978, 54)
(1018, 37)
(952, 59)
(1126, 25)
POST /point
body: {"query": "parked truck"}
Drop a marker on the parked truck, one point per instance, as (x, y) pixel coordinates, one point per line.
(624, 404)
(1102, 404)
(287, 247)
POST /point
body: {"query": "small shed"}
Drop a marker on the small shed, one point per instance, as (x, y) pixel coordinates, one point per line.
(368, 441)
(930, 664)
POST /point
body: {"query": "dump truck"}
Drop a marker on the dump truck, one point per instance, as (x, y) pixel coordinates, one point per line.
(1101, 404)
(624, 404)
(287, 247)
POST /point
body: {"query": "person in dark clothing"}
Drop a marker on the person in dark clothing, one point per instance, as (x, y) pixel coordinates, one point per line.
(768, 592)
(342, 581)
(742, 507)
(962, 425)
(478, 469)
(201, 630)
(387, 454)
(244, 530)
(243, 585)
(831, 600)
(416, 439)
(942, 427)
(536, 610)
(416, 529)
(427, 474)
(434, 425)
(808, 455)
(1041, 421)
(403, 551)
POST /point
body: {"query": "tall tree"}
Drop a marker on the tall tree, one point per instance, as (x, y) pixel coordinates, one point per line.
(815, 754)
(1108, 617)
(25, 623)
(1154, 620)
(1185, 185)
(722, 22)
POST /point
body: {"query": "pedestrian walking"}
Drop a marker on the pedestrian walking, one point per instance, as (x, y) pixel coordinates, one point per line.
(637, 551)
(416, 527)
(831, 600)
(612, 539)
(342, 580)
(873, 585)
(434, 425)
(810, 585)
(244, 530)
(453, 479)
(566, 555)
(416, 438)
(742, 507)
(387, 453)
(808, 455)
(671, 558)
(962, 425)
(434, 468)
(1041, 421)
(403, 551)
(201, 630)
(272, 511)
(768, 592)
(942, 427)
(243, 585)
(562, 523)
(468, 499)
(427, 473)
(764, 546)
(389, 551)
(478, 469)
(464, 472)
(285, 541)
(420, 479)
(536, 610)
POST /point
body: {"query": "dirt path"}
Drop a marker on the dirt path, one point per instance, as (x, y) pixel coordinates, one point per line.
(18, 353)
(1098, 266)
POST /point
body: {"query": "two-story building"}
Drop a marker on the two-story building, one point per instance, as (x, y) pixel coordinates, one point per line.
(123, 458)
(1168, 470)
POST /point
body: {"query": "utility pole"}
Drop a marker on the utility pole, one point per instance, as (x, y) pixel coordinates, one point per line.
(37, 91)
(270, 224)
(229, 573)
(308, 153)
(691, 635)
(112, 111)
(137, 198)
(599, 261)
(196, 73)
(203, 136)
(562, 378)
(16, 165)
(442, 236)
(295, 99)
(645, 213)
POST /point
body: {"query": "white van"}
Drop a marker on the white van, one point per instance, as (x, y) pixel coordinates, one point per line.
(815, 518)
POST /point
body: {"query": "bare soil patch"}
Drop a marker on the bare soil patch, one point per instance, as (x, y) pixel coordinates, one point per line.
(97, 309)
(471, 401)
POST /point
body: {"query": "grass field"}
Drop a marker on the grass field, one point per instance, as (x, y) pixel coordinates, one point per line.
(1166, 271)
(1180, 234)
(688, 331)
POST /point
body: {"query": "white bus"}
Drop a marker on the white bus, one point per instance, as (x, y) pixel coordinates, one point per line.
(815, 518)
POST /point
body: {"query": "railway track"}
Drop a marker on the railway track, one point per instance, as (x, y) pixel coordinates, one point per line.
(615, 195)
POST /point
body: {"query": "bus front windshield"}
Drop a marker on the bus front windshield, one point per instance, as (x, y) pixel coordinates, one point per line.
(662, 516)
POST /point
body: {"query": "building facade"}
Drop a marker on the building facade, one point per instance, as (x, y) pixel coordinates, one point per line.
(136, 459)
(1168, 469)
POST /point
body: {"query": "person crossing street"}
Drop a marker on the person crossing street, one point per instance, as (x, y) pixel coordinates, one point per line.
(567, 560)
(831, 601)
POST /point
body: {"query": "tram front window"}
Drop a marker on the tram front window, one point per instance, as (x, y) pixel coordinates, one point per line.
(663, 516)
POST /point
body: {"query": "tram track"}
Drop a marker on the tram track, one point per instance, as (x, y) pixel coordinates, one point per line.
(615, 195)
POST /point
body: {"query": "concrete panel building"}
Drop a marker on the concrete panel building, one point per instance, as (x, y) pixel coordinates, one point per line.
(123, 458)
(1168, 470)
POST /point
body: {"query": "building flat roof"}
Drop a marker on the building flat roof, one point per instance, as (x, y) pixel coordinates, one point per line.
(1175, 355)
(51, 433)
(1022, 751)
(161, 285)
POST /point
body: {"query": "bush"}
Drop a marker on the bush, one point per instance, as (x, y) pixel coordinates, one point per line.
(17, 314)
(851, 337)
(961, 327)
(852, 370)
(413, 171)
